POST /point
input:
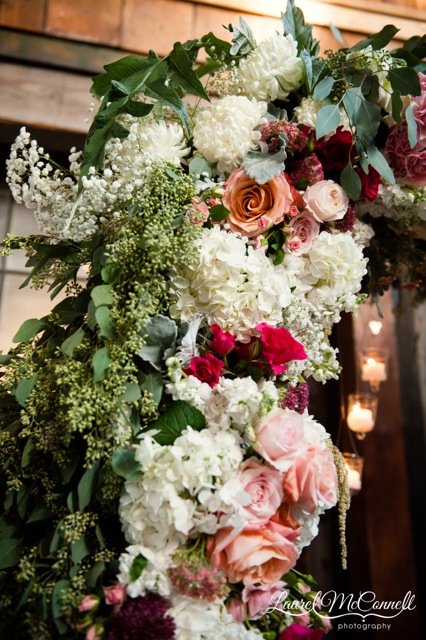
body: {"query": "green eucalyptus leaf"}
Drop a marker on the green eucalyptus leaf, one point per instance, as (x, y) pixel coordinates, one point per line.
(10, 552)
(102, 294)
(379, 162)
(131, 394)
(352, 101)
(176, 419)
(411, 126)
(124, 464)
(86, 486)
(72, 342)
(243, 40)
(351, 182)
(104, 320)
(111, 273)
(199, 166)
(100, 361)
(80, 549)
(323, 88)
(24, 388)
(307, 63)
(60, 591)
(56, 538)
(94, 573)
(318, 67)
(153, 383)
(405, 80)
(26, 594)
(368, 118)
(29, 329)
(28, 449)
(40, 512)
(396, 107)
(377, 40)
(336, 33)
(328, 120)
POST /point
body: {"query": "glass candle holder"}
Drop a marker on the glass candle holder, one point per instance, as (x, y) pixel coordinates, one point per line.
(361, 413)
(354, 465)
(374, 367)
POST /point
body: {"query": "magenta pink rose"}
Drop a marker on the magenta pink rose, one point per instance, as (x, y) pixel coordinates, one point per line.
(305, 230)
(206, 368)
(279, 347)
(115, 595)
(264, 486)
(326, 201)
(279, 437)
(312, 480)
(222, 341)
(299, 632)
(253, 205)
(259, 555)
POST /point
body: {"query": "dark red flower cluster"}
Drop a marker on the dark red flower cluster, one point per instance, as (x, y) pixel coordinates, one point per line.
(142, 618)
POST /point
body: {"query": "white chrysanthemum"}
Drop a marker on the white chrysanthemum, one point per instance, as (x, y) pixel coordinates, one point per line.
(164, 141)
(272, 70)
(153, 578)
(230, 283)
(307, 113)
(225, 132)
(202, 620)
(176, 494)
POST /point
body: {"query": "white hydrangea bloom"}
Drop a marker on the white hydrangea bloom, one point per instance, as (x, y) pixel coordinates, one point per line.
(225, 132)
(272, 70)
(153, 578)
(231, 284)
(202, 620)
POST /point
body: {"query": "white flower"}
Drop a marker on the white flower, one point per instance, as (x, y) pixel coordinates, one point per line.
(362, 233)
(307, 113)
(153, 577)
(232, 284)
(225, 132)
(272, 70)
(162, 140)
(326, 201)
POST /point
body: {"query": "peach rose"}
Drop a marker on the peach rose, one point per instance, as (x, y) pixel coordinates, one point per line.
(252, 204)
(326, 200)
(264, 487)
(312, 480)
(279, 437)
(259, 555)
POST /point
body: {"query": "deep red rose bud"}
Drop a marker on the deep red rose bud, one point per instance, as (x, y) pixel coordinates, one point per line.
(369, 182)
(222, 341)
(206, 368)
(279, 347)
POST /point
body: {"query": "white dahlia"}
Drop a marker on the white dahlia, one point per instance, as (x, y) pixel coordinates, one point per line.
(225, 132)
(272, 70)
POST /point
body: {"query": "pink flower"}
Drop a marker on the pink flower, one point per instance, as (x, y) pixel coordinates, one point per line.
(237, 610)
(252, 204)
(89, 603)
(259, 555)
(259, 600)
(312, 480)
(198, 213)
(326, 201)
(95, 631)
(222, 341)
(279, 437)
(306, 230)
(298, 632)
(115, 595)
(279, 347)
(369, 182)
(415, 165)
(206, 368)
(396, 148)
(264, 486)
(419, 111)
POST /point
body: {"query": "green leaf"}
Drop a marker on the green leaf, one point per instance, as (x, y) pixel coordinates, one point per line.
(138, 565)
(318, 67)
(264, 167)
(176, 419)
(26, 594)
(218, 213)
(243, 40)
(336, 33)
(199, 166)
(307, 62)
(183, 73)
(323, 88)
(10, 552)
(351, 182)
(95, 573)
(102, 294)
(379, 162)
(377, 40)
(131, 394)
(67, 470)
(26, 454)
(100, 362)
(328, 120)
(80, 549)
(159, 91)
(396, 107)
(58, 598)
(368, 118)
(111, 273)
(153, 383)
(86, 486)
(72, 342)
(103, 317)
(120, 70)
(40, 512)
(29, 329)
(24, 388)
(56, 538)
(405, 80)
(411, 126)
(124, 464)
(352, 101)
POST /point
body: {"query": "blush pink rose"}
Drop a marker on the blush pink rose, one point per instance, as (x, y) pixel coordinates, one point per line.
(89, 603)
(259, 555)
(258, 601)
(305, 230)
(326, 201)
(254, 205)
(279, 437)
(222, 341)
(95, 631)
(115, 595)
(206, 368)
(279, 347)
(312, 480)
(264, 487)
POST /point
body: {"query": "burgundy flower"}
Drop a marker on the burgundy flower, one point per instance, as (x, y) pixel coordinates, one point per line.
(298, 632)
(142, 619)
(222, 341)
(334, 153)
(297, 397)
(369, 182)
(206, 368)
(279, 347)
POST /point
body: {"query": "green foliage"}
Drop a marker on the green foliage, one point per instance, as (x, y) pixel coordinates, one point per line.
(175, 420)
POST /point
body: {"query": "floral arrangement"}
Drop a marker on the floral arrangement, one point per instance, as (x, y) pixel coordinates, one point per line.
(161, 472)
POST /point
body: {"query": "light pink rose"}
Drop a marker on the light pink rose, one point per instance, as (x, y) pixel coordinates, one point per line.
(419, 111)
(312, 480)
(305, 230)
(279, 437)
(259, 555)
(95, 631)
(326, 201)
(115, 595)
(88, 604)
(264, 486)
(259, 600)
(252, 205)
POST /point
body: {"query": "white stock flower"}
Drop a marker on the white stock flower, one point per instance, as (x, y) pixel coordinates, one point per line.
(230, 283)
(225, 132)
(153, 578)
(272, 70)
